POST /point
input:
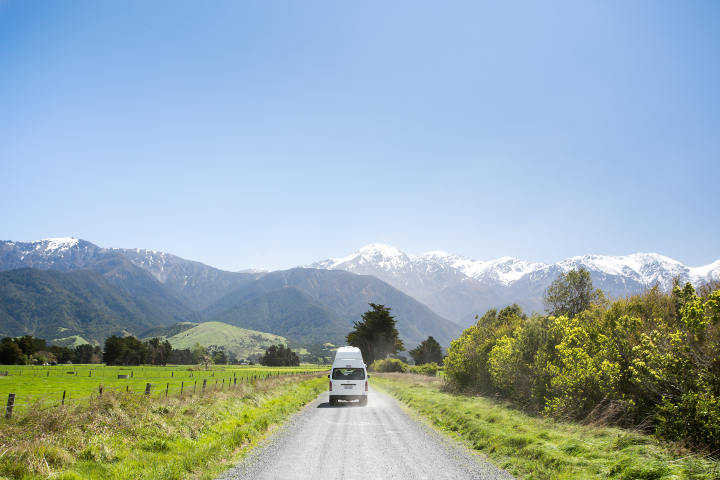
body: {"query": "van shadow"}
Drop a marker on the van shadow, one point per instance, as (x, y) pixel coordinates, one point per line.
(339, 405)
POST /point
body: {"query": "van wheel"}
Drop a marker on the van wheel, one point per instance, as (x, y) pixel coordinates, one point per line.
(363, 401)
(333, 400)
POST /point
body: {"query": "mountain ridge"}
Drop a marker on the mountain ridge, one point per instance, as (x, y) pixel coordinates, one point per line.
(53, 304)
(508, 269)
(313, 305)
(453, 286)
(458, 287)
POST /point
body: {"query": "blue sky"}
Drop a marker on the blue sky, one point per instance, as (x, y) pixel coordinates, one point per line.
(272, 134)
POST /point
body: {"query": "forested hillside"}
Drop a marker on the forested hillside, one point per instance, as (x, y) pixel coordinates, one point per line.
(321, 305)
(56, 305)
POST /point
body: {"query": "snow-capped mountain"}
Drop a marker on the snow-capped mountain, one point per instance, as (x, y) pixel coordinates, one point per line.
(307, 305)
(64, 254)
(198, 284)
(453, 286)
(458, 287)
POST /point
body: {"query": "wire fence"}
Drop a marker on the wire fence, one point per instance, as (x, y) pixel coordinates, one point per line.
(105, 372)
(188, 386)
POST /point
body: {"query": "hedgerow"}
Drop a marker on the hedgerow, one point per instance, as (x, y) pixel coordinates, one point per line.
(429, 369)
(650, 361)
(389, 365)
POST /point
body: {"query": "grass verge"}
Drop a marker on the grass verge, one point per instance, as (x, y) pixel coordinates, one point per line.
(125, 436)
(539, 448)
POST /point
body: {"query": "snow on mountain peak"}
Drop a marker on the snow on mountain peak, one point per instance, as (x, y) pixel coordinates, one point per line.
(436, 254)
(642, 268)
(710, 271)
(645, 268)
(384, 256)
(504, 270)
(380, 249)
(59, 243)
(390, 256)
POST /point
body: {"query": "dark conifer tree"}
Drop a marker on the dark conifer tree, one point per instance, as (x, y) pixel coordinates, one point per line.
(428, 351)
(376, 336)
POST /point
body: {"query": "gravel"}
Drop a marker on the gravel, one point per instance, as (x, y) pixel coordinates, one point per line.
(378, 441)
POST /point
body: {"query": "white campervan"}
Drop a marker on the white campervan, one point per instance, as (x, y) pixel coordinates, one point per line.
(348, 377)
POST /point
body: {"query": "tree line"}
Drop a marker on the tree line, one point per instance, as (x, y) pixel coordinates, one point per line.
(128, 350)
(649, 361)
(29, 350)
(280, 356)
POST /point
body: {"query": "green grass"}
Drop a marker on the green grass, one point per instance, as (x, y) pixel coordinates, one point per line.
(539, 448)
(122, 436)
(70, 342)
(240, 341)
(33, 384)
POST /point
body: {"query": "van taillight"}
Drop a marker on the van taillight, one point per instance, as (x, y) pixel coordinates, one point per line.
(366, 386)
(330, 381)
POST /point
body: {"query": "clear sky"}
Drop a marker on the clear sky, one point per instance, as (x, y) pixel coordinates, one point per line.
(271, 134)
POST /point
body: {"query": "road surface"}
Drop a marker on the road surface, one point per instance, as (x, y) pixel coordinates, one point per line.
(378, 441)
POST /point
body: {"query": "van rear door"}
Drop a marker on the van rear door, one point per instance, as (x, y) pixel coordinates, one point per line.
(348, 381)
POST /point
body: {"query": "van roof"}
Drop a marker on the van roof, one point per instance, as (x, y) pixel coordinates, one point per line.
(349, 356)
(347, 349)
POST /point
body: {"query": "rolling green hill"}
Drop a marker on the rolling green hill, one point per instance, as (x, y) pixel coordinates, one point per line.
(70, 342)
(240, 341)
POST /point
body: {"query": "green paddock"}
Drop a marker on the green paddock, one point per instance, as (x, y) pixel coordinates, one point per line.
(51, 385)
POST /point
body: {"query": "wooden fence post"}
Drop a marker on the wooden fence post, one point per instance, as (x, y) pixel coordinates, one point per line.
(100, 388)
(194, 387)
(167, 387)
(182, 384)
(147, 389)
(63, 399)
(10, 405)
(204, 384)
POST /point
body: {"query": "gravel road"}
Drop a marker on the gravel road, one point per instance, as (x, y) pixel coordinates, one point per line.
(350, 442)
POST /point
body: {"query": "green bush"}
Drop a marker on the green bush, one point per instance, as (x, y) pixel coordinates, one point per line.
(429, 369)
(389, 365)
(695, 418)
(466, 364)
(650, 360)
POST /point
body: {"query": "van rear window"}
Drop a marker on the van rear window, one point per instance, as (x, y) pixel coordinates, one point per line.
(348, 374)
